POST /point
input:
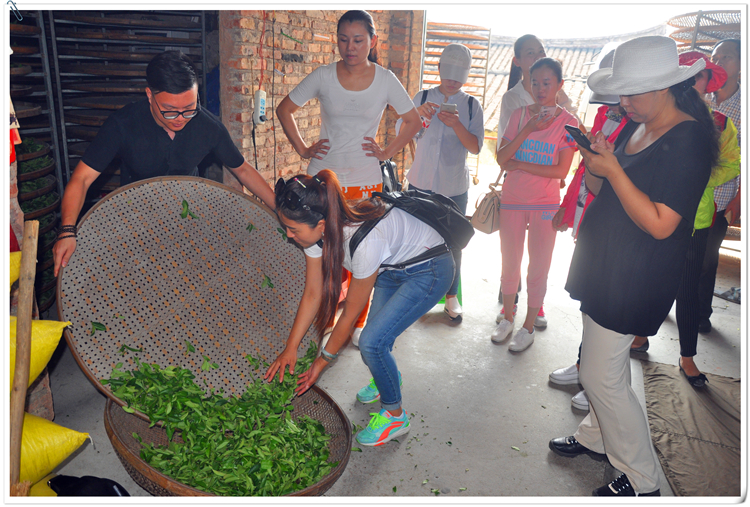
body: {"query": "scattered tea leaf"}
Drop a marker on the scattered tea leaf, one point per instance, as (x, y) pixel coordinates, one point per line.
(356, 449)
(190, 347)
(435, 491)
(124, 347)
(283, 234)
(250, 227)
(514, 448)
(97, 326)
(394, 489)
(461, 489)
(425, 481)
(266, 282)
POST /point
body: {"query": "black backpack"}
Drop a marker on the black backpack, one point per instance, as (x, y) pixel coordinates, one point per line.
(436, 210)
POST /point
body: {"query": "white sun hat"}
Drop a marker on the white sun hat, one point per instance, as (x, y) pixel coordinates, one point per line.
(455, 62)
(598, 98)
(643, 65)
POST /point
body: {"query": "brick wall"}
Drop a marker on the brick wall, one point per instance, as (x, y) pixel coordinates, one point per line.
(254, 43)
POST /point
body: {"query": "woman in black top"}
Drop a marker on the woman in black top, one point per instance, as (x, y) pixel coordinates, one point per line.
(632, 243)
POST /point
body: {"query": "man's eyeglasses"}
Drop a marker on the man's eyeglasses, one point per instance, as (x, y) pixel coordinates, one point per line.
(292, 200)
(173, 115)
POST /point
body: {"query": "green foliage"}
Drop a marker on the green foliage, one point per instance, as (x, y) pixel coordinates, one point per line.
(237, 446)
(34, 164)
(26, 187)
(29, 144)
(39, 202)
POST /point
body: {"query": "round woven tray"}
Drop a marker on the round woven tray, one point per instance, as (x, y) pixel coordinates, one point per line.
(315, 403)
(155, 279)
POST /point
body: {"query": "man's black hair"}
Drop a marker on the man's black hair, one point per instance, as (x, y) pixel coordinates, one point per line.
(172, 72)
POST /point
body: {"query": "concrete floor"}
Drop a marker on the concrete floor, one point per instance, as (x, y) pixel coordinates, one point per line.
(472, 402)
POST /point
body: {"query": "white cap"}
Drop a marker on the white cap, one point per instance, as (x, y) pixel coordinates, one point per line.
(455, 63)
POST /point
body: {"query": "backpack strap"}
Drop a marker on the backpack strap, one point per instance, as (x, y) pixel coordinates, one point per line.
(364, 230)
(471, 106)
(424, 97)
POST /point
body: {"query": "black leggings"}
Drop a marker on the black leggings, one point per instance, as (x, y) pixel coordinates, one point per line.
(688, 307)
(707, 279)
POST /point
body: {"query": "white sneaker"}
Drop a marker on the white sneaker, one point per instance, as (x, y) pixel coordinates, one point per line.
(355, 336)
(540, 320)
(452, 308)
(565, 376)
(580, 401)
(521, 341)
(501, 315)
(502, 331)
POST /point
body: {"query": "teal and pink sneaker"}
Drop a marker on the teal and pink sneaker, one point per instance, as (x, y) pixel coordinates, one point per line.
(370, 393)
(383, 427)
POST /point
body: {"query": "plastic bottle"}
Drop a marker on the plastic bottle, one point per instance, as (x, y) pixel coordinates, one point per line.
(425, 124)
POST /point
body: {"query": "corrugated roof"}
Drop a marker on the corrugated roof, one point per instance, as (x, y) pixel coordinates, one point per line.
(574, 54)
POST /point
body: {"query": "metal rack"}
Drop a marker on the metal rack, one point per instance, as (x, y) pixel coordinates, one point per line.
(703, 29)
(32, 93)
(101, 60)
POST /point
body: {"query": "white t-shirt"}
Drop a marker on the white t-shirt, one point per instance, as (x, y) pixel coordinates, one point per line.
(512, 99)
(396, 238)
(347, 117)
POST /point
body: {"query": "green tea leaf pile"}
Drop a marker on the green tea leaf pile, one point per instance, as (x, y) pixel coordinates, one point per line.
(236, 446)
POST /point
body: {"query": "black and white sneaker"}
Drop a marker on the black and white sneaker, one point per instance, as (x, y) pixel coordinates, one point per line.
(621, 487)
(453, 308)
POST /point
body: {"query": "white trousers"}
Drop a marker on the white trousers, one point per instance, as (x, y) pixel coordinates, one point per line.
(616, 424)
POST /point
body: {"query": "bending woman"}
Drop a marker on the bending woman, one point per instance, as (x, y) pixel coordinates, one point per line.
(536, 156)
(314, 212)
(632, 245)
(353, 92)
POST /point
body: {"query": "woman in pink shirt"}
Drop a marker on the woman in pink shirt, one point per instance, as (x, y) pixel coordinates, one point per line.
(536, 151)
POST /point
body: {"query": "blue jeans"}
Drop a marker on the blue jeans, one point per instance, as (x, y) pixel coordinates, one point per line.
(461, 201)
(401, 297)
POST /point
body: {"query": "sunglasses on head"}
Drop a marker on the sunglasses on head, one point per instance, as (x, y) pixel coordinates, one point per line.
(292, 200)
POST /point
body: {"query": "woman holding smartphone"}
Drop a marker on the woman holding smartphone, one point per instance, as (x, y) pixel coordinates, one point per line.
(527, 49)
(353, 92)
(536, 151)
(316, 216)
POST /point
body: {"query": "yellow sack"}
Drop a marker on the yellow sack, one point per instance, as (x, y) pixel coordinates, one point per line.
(45, 445)
(45, 335)
(41, 488)
(15, 267)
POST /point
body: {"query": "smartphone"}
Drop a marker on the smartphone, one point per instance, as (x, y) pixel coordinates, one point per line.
(545, 111)
(580, 137)
(448, 108)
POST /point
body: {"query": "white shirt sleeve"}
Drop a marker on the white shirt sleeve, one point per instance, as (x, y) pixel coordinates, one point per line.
(397, 95)
(308, 88)
(509, 104)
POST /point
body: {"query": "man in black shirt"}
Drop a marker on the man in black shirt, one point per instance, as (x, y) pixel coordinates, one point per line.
(165, 134)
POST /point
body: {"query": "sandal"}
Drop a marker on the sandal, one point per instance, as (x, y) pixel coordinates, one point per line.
(697, 381)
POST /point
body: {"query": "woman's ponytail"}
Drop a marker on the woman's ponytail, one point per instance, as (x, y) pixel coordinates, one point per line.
(689, 102)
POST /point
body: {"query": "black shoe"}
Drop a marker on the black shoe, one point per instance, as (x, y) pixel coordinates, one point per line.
(642, 348)
(570, 448)
(697, 381)
(704, 326)
(621, 487)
